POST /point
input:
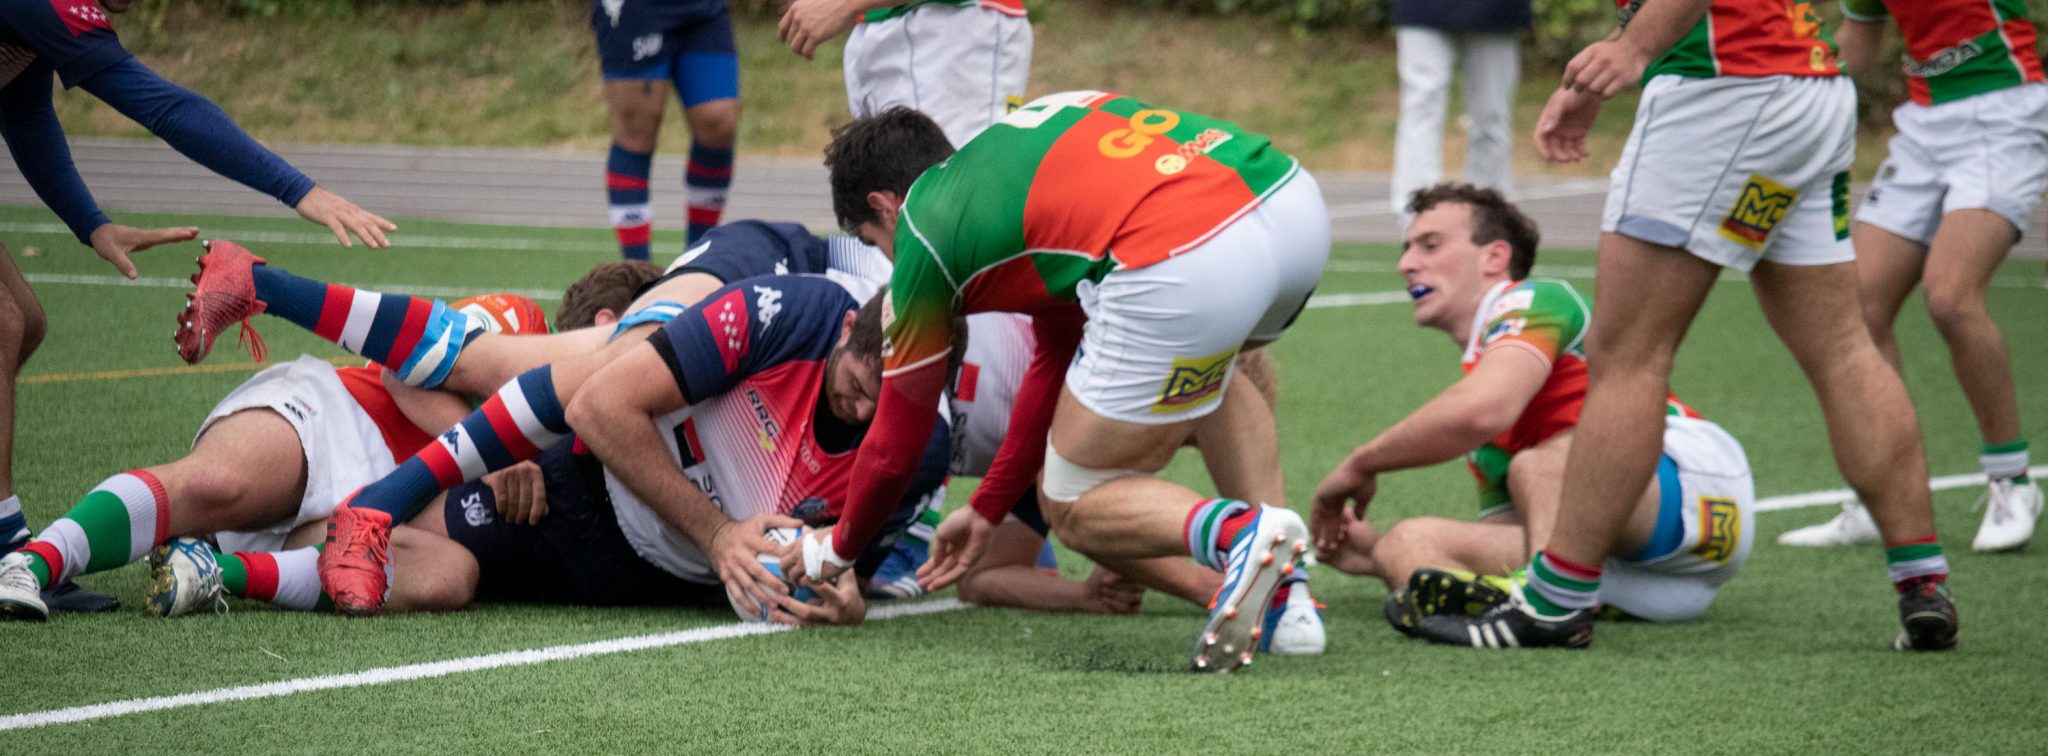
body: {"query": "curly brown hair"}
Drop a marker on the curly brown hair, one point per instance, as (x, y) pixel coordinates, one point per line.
(610, 286)
(1494, 219)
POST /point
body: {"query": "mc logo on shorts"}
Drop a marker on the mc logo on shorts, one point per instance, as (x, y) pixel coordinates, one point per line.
(1192, 381)
(1720, 529)
(1758, 210)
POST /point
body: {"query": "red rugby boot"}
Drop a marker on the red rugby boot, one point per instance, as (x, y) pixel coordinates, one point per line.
(225, 294)
(352, 565)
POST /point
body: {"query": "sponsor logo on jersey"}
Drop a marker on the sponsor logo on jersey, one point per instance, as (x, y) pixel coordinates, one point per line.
(474, 512)
(1941, 62)
(1517, 299)
(770, 430)
(1758, 210)
(768, 302)
(1193, 381)
(1504, 328)
(646, 46)
(1720, 529)
(1012, 103)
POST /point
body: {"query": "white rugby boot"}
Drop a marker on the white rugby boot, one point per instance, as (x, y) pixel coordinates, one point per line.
(1294, 624)
(21, 596)
(2010, 511)
(1853, 527)
(1266, 552)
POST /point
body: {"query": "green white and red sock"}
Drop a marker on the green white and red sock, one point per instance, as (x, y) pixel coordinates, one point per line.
(1915, 560)
(1212, 526)
(1557, 586)
(115, 524)
(2008, 461)
(287, 579)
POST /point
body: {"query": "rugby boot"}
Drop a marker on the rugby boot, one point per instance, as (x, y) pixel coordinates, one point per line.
(353, 564)
(21, 597)
(1928, 617)
(1265, 553)
(1401, 613)
(1435, 590)
(184, 577)
(1853, 527)
(71, 598)
(1294, 621)
(1510, 624)
(224, 293)
(2010, 510)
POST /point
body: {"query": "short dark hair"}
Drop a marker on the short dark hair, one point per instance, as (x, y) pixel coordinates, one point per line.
(866, 340)
(1494, 219)
(611, 285)
(885, 152)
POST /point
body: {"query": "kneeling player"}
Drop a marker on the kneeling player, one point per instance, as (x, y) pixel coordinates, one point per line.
(1466, 260)
(333, 429)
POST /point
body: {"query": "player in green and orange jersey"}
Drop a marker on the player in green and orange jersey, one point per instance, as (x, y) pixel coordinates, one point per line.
(1466, 260)
(1179, 239)
(1966, 168)
(1738, 159)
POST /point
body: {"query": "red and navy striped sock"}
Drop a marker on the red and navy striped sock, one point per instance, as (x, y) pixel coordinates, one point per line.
(625, 187)
(708, 177)
(416, 338)
(514, 425)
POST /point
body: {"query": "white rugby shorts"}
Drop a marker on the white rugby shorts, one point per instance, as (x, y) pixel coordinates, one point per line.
(963, 65)
(1986, 152)
(1161, 339)
(1739, 169)
(343, 448)
(1716, 504)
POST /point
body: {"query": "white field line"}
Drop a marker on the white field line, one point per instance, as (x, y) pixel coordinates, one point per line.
(400, 241)
(1585, 272)
(383, 675)
(1377, 208)
(1839, 495)
(442, 292)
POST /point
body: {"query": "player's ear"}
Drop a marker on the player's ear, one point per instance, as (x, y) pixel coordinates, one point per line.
(1494, 258)
(846, 327)
(604, 317)
(886, 205)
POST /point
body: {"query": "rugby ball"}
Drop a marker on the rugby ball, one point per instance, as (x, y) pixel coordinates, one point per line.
(744, 605)
(504, 313)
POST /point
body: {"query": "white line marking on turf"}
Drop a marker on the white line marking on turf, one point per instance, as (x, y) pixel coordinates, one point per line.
(443, 292)
(1378, 208)
(428, 670)
(1839, 495)
(400, 241)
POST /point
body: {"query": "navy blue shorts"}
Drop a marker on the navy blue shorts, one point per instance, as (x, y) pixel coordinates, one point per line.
(688, 42)
(72, 36)
(575, 555)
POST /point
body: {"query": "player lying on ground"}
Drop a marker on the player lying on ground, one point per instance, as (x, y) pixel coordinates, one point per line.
(1466, 261)
(1965, 171)
(1178, 239)
(428, 345)
(751, 435)
(997, 353)
(274, 455)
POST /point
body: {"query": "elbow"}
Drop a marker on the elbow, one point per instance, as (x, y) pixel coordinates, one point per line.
(1489, 421)
(589, 414)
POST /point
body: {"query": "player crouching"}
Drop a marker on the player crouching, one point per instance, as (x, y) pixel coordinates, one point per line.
(1466, 259)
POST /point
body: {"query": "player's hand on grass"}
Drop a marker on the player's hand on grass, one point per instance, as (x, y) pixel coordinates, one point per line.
(839, 603)
(1561, 130)
(1109, 592)
(956, 545)
(808, 23)
(735, 551)
(1353, 555)
(521, 493)
(1327, 519)
(343, 218)
(115, 242)
(1605, 67)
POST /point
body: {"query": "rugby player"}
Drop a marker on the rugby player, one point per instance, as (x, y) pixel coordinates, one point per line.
(75, 41)
(1466, 260)
(425, 343)
(645, 50)
(1178, 239)
(1965, 170)
(1738, 159)
(964, 63)
(273, 456)
(758, 433)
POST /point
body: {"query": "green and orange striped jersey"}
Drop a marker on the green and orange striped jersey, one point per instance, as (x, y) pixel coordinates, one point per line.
(1747, 38)
(1065, 190)
(1959, 48)
(1005, 7)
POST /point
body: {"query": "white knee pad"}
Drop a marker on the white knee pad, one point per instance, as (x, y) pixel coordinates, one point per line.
(1065, 481)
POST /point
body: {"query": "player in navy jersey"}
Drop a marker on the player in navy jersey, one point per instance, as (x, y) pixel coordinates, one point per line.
(74, 40)
(647, 48)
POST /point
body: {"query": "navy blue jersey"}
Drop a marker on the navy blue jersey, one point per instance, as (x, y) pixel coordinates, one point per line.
(753, 326)
(73, 37)
(748, 248)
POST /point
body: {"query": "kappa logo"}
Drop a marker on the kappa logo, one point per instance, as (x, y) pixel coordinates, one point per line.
(612, 8)
(1193, 381)
(452, 438)
(767, 300)
(1758, 210)
(474, 512)
(1720, 529)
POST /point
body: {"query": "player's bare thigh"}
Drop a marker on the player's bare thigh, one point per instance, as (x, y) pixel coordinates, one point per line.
(1536, 481)
(635, 107)
(246, 472)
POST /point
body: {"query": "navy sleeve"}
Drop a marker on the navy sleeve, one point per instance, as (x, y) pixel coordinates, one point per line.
(73, 36)
(749, 327)
(744, 249)
(198, 128)
(36, 140)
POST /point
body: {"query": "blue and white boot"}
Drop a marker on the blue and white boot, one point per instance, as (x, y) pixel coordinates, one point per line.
(184, 577)
(1264, 554)
(1294, 623)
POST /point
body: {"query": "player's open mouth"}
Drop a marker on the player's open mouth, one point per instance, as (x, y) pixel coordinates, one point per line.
(1418, 291)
